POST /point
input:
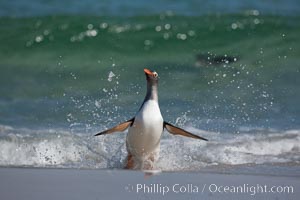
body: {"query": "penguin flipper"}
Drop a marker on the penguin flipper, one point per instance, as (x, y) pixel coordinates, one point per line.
(119, 128)
(178, 131)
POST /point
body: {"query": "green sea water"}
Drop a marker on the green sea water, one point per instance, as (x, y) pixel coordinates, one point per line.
(87, 71)
(64, 78)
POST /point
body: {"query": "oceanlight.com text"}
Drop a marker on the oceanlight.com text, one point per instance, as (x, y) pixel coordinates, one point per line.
(250, 189)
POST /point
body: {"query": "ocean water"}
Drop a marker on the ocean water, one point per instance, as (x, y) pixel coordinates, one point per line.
(143, 7)
(68, 73)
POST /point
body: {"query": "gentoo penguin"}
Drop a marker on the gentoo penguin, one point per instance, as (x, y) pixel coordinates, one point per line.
(146, 128)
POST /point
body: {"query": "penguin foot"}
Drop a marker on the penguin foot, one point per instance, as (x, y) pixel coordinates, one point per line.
(130, 162)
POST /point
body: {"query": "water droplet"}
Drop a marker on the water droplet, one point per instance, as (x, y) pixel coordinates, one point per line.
(181, 36)
(46, 32)
(103, 25)
(110, 76)
(147, 42)
(256, 21)
(167, 26)
(39, 38)
(191, 33)
(158, 28)
(166, 36)
(90, 26)
(234, 26)
(91, 33)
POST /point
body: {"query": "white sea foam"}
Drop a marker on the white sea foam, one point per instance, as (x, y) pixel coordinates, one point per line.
(57, 148)
(283, 147)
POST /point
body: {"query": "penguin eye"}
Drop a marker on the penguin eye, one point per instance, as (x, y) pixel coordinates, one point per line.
(155, 74)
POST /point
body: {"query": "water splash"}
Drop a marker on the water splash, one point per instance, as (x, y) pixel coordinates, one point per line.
(110, 76)
(59, 148)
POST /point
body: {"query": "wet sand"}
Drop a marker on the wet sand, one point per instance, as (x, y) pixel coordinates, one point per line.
(32, 184)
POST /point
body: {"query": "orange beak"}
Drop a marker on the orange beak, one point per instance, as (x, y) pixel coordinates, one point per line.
(147, 71)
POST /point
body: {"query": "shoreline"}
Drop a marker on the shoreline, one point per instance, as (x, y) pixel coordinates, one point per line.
(270, 169)
(43, 183)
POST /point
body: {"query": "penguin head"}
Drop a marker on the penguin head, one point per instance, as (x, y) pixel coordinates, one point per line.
(151, 76)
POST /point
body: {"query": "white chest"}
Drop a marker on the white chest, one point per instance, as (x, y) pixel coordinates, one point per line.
(145, 133)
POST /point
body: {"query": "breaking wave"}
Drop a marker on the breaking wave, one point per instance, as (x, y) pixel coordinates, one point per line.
(60, 148)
